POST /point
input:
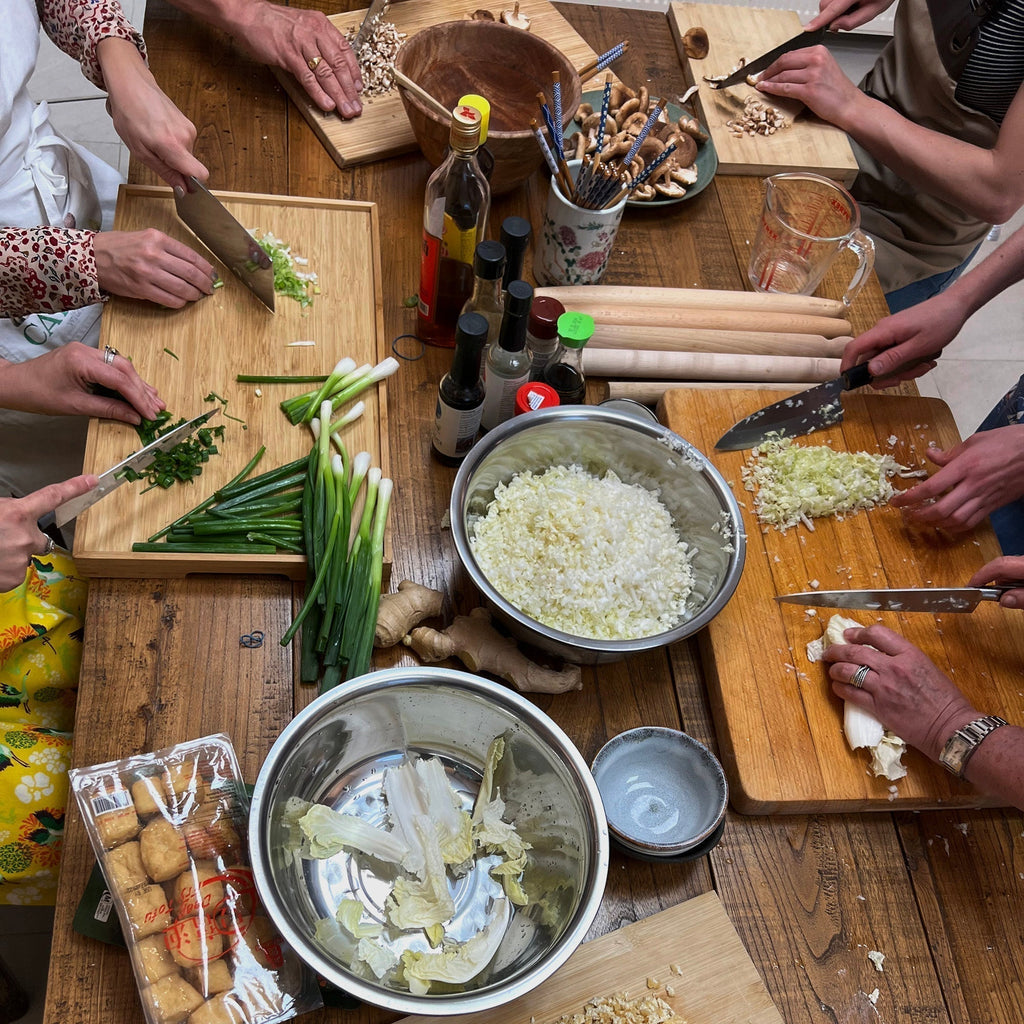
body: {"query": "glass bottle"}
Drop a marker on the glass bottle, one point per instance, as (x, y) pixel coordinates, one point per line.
(565, 371)
(483, 154)
(488, 266)
(455, 209)
(460, 396)
(515, 236)
(542, 333)
(507, 362)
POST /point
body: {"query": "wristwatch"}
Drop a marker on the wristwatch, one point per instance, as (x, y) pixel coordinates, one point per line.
(964, 742)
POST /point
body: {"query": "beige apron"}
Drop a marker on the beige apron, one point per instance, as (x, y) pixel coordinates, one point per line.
(917, 235)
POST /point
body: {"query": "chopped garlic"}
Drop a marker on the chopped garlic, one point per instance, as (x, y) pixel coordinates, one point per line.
(877, 959)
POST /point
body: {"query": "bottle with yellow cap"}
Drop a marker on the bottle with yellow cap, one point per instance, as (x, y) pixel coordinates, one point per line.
(483, 155)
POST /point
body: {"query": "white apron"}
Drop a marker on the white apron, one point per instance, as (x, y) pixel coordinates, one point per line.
(44, 179)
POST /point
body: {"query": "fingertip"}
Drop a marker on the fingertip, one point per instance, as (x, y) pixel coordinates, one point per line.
(1011, 601)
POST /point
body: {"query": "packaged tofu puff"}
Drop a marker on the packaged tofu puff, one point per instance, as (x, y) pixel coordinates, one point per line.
(168, 830)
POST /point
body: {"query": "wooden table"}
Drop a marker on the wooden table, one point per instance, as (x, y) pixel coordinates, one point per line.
(938, 893)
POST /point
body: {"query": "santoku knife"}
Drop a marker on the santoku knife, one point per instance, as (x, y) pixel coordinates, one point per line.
(756, 66)
(367, 26)
(114, 477)
(912, 599)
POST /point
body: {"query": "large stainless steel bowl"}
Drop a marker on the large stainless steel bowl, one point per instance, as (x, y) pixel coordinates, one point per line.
(335, 751)
(703, 509)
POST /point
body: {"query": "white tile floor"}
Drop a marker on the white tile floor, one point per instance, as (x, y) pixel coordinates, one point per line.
(973, 373)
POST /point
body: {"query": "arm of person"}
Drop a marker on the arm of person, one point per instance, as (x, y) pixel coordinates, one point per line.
(911, 697)
(986, 183)
(291, 39)
(1003, 570)
(843, 15)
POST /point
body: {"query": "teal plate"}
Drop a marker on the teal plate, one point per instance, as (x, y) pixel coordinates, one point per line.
(707, 158)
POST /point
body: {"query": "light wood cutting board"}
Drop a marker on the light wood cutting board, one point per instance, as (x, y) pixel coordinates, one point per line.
(228, 333)
(691, 948)
(383, 130)
(736, 33)
(778, 724)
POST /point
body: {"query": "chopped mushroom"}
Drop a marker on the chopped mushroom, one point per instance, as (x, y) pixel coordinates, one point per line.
(514, 18)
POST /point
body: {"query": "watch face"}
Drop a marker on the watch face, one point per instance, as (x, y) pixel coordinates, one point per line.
(953, 753)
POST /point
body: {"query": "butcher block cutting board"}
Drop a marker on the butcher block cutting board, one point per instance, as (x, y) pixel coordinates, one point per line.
(691, 948)
(778, 724)
(189, 353)
(735, 33)
(383, 130)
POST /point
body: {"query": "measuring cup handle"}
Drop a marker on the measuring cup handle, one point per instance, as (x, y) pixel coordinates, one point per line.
(864, 249)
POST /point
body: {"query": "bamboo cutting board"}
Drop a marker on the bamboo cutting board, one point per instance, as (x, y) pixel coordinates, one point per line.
(383, 130)
(691, 948)
(191, 352)
(778, 724)
(736, 33)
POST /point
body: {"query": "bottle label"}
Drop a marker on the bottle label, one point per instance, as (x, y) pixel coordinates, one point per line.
(500, 398)
(430, 260)
(455, 430)
(458, 244)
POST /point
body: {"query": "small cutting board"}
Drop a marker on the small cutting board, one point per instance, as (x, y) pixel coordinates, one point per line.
(778, 724)
(189, 353)
(383, 130)
(691, 949)
(736, 33)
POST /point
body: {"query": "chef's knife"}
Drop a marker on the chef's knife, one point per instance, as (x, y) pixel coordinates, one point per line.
(206, 215)
(813, 409)
(914, 599)
(114, 477)
(367, 26)
(756, 66)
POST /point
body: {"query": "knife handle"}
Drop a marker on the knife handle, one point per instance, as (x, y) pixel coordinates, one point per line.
(857, 376)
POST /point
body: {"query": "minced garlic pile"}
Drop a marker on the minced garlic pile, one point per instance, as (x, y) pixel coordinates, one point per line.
(620, 1009)
(591, 556)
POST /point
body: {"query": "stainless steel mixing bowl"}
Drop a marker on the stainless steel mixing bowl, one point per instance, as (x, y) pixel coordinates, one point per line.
(703, 510)
(335, 751)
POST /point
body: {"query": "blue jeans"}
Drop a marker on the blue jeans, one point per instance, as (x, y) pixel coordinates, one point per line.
(1008, 521)
(918, 291)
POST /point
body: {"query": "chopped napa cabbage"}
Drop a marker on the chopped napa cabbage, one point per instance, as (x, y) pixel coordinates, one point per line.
(455, 965)
(494, 834)
(376, 956)
(349, 915)
(334, 939)
(485, 794)
(435, 935)
(508, 872)
(420, 903)
(329, 833)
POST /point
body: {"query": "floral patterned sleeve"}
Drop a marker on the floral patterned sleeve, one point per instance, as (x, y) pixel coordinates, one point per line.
(77, 26)
(46, 270)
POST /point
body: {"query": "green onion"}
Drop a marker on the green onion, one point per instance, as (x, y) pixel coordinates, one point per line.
(342, 386)
(172, 354)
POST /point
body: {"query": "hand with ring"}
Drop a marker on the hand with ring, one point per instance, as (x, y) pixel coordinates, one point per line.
(19, 519)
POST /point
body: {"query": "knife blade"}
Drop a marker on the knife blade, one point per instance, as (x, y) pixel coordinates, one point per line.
(112, 478)
(758, 64)
(911, 599)
(810, 410)
(366, 27)
(206, 215)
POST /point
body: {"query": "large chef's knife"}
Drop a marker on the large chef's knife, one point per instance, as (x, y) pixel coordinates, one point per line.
(367, 26)
(813, 409)
(912, 599)
(206, 215)
(115, 476)
(756, 66)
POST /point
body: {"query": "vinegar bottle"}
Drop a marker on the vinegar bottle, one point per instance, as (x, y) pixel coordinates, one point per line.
(455, 209)
(460, 397)
(488, 265)
(507, 366)
(565, 371)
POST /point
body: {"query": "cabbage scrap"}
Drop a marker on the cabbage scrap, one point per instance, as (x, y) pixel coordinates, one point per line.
(329, 833)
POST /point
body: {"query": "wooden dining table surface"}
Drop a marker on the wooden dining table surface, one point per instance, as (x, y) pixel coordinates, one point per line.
(938, 893)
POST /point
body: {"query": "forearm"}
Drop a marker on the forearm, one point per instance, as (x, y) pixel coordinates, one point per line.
(998, 271)
(46, 270)
(78, 29)
(997, 766)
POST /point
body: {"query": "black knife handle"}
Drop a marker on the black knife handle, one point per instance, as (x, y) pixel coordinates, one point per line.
(857, 376)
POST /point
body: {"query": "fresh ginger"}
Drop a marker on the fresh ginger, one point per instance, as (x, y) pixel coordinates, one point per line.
(399, 612)
(481, 648)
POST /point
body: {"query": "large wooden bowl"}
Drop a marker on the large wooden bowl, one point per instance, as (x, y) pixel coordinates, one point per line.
(508, 67)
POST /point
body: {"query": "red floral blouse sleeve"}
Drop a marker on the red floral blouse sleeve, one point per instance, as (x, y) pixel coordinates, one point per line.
(76, 26)
(46, 270)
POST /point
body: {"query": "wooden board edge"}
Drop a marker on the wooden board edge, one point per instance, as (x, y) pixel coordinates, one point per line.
(157, 565)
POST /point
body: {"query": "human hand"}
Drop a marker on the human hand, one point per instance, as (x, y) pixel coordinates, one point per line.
(151, 265)
(19, 518)
(291, 38)
(842, 15)
(976, 476)
(61, 382)
(813, 77)
(904, 690)
(1003, 570)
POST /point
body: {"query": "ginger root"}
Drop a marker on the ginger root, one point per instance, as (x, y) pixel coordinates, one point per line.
(481, 648)
(399, 612)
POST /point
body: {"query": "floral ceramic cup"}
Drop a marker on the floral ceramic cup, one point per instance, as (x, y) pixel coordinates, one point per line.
(574, 243)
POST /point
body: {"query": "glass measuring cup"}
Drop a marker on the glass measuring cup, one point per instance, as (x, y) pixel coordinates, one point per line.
(806, 222)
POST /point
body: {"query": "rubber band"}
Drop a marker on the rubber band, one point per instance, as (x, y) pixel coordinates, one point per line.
(402, 355)
(251, 640)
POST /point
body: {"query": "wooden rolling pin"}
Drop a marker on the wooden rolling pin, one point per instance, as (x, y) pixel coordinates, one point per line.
(613, 362)
(687, 339)
(649, 392)
(694, 298)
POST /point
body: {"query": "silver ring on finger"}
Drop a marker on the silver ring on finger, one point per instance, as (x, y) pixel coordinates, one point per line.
(50, 545)
(858, 677)
(109, 353)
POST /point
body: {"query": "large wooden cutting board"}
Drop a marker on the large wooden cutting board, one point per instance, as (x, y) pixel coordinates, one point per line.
(778, 724)
(383, 130)
(736, 33)
(191, 352)
(691, 948)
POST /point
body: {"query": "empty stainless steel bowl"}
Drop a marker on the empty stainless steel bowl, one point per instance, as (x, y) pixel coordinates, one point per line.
(703, 510)
(335, 752)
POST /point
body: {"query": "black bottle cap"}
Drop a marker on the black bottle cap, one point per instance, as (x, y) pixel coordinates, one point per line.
(473, 326)
(489, 260)
(520, 298)
(517, 309)
(515, 233)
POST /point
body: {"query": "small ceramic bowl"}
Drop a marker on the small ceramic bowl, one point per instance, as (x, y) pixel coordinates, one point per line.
(663, 792)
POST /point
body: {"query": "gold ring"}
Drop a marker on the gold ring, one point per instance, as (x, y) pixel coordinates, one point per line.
(108, 354)
(313, 63)
(858, 677)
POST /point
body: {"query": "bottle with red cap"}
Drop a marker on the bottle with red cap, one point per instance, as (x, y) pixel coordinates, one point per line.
(542, 333)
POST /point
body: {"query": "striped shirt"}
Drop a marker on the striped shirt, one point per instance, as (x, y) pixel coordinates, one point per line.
(995, 70)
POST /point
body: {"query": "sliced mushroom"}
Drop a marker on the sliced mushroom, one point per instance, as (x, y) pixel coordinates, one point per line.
(670, 189)
(695, 42)
(515, 19)
(684, 175)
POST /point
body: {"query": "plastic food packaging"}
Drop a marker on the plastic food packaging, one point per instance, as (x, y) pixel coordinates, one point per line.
(168, 829)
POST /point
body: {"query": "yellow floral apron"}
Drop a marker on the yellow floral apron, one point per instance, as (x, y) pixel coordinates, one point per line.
(40, 657)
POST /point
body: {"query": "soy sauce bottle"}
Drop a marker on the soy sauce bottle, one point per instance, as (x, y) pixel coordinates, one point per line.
(460, 397)
(565, 371)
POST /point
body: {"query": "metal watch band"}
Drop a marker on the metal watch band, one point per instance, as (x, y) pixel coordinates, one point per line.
(962, 744)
